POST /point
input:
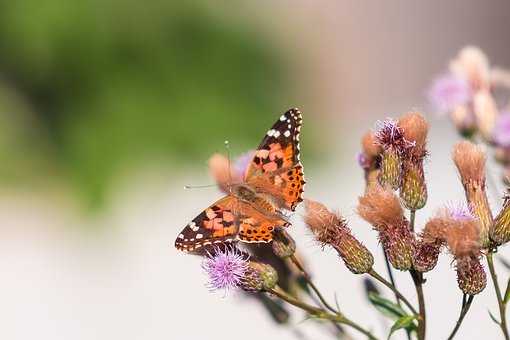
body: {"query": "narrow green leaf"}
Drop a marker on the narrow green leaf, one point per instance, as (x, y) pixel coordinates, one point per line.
(386, 307)
(406, 322)
(494, 318)
(507, 292)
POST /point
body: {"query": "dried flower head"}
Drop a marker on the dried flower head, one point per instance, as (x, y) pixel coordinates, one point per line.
(331, 229)
(415, 129)
(370, 147)
(470, 161)
(225, 268)
(448, 92)
(381, 208)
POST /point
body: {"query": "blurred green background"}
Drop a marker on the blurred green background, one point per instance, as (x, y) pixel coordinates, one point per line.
(91, 88)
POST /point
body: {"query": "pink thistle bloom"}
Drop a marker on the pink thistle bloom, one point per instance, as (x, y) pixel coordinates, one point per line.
(225, 268)
(502, 130)
(459, 212)
(448, 92)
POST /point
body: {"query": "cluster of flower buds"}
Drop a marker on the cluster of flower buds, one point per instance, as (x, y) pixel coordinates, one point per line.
(331, 229)
(382, 209)
(394, 156)
(467, 93)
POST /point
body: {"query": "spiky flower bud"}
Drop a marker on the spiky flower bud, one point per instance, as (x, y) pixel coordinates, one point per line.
(501, 232)
(283, 244)
(470, 161)
(426, 256)
(258, 277)
(390, 168)
(381, 208)
(471, 276)
(413, 189)
(331, 229)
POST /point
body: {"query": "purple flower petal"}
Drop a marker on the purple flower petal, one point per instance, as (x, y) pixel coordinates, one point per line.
(502, 130)
(225, 268)
(449, 91)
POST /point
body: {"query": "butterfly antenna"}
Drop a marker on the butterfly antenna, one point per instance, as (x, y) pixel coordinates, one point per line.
(186, 187)
(227, 146)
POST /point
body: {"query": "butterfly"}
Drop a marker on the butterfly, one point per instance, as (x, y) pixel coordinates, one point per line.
(271, 187)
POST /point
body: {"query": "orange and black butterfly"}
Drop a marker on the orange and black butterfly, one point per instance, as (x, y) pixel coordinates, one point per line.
(272, 186)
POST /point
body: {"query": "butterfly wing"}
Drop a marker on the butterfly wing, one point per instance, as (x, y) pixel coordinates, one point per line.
(216, 224)
(275, 167)
(255, 227)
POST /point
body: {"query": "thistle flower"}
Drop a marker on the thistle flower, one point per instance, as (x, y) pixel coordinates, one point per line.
(229, 268)
(461, 232)
(470, 161)
(283, 244)
(391, 138)
(501, 135)
(331, 229)
(381, 208)
(448, 92)
(464, 120)
(413, 189)
(225, 268)
(501, 232)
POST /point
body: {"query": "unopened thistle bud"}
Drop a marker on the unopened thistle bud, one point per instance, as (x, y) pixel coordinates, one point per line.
(258, 277)
(426, 256)
(471, 276)
(381, 208)
(501, 232)
(470, 161)
(331, 229)
(391, 138)
(413, 189)
(486, 112)
(283, 244)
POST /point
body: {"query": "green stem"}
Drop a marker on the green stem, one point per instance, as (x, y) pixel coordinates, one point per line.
(501, 304)
(422, 321)
(311, 284)
(399, 296)
(465, 308)
(320, 313)
(412, 217)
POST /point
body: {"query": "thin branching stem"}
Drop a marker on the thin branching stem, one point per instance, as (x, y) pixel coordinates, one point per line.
(466, 304)
(379, 278)
(501, 303)
(320, 313)
(309, 281)
(418, 283)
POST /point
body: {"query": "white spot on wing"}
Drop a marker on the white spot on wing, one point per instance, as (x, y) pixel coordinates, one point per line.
(199, 236)
(283, 117)
(193, 226)
(286, 133)
(181, 236)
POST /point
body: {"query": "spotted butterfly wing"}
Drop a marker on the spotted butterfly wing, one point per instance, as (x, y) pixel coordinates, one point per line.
(275, 167)
(216, 224)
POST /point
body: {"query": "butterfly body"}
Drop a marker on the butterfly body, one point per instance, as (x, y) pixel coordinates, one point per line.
(272, 185)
